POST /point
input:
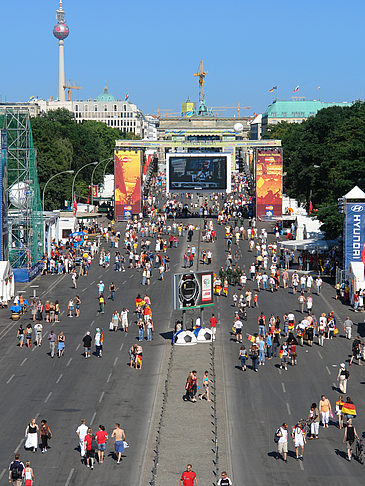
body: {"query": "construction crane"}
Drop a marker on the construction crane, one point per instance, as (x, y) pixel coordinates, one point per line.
(69, 88)
(238, 108)
(201, 74)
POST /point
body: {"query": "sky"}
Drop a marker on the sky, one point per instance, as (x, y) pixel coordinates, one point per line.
(152, 49)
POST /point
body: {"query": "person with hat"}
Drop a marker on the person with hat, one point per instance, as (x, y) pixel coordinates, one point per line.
(342, 377)
(98, 343)
(299, 440)
(283, 442)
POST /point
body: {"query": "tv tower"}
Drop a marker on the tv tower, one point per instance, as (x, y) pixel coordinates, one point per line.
(61, 31)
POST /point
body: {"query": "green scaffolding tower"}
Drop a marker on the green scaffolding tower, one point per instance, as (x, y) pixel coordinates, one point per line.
(24, 208)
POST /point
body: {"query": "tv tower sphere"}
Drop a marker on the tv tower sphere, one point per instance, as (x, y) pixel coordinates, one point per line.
(61, 31)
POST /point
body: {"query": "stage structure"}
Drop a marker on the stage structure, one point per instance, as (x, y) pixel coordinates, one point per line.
(23, 201)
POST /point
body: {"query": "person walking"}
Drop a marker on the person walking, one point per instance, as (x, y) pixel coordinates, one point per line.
(61, 344)
(101, 303)
(347, 326)
(356, 351)
(238, 325)
(242, 356)
(87, 342)
(101, 437)
(349, 437)
(150, 329)
(299, 441)
(77, 306)
(38, 333)
(45, 434)
(254, 352)
(119, 435)
(28, 335)
(16, 469)
(206, 382)
(98, 340)
(81, 433)
(20, 336)
(224, 480)
(313, 416)
(282, 433)
(188, 477)
(325, 410)
(89, 445)
(112, 289)
(339, 404)
(31, 436)
(124, 319)
(342, 378)
(52, 342)
(28, 474)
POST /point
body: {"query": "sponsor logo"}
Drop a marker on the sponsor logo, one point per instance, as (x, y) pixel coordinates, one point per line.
(357, 208)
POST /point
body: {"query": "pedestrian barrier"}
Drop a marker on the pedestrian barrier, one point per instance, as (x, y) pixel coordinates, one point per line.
(214, 415)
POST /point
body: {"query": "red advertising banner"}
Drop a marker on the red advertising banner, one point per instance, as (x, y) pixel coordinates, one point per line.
(269, 182)
(127, 182)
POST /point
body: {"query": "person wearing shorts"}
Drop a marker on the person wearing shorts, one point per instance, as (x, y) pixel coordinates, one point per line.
(283, 442)
(238, 327)
(119, 436)
(101, 437)
(299, 441)
(90, 451)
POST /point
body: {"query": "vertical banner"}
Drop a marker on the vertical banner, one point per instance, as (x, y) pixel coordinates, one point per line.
(127, 182)
(269, 182)
(3, 197)
(354, 233)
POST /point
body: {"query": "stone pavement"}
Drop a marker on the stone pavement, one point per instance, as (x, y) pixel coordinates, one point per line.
(187, 432)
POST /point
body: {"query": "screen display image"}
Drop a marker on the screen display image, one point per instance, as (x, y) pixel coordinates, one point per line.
(196, 173)
(127, 181)
(269, 182)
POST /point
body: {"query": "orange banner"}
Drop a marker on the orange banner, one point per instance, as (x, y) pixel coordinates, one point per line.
(269, 182)
(127, 182)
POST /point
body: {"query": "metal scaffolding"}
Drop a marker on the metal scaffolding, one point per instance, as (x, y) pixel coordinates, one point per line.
(25, 217)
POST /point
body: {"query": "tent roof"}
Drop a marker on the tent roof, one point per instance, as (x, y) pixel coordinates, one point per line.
(355, 193)
(5, 270)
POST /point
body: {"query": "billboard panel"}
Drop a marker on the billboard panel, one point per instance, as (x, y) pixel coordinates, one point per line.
(198, 172)
(269, 182)
(354, 233)
(127, 181)
(192, 290)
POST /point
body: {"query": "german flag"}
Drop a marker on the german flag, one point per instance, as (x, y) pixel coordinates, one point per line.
(251, 338)
(349, 409)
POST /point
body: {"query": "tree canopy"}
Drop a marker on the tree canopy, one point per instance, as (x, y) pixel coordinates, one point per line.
(63, 144)
(324, 158)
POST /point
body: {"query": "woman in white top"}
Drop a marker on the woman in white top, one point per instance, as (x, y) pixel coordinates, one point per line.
(124, 319)
(31, 435)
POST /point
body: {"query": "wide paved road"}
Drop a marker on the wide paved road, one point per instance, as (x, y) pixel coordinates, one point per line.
(258, 403)
(64, 390)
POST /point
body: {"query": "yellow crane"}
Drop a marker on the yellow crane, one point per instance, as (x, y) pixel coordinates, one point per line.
(238, 108)
(68, 87)
(201, 74)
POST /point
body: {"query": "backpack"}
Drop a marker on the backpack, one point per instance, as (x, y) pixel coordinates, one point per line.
(276, 436)
(16, 472)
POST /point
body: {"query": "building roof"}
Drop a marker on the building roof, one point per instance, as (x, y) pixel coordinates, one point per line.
(355, 193)
(298, 108)
(105, 96)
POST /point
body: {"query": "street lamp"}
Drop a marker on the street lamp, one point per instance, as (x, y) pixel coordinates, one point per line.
(92, 176)
(73, 181)
(106, 165)
(49, 180)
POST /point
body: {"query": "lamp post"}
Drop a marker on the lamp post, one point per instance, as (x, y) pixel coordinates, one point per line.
(49, 180)
(73, 181)
(106, 165)
(92, 176)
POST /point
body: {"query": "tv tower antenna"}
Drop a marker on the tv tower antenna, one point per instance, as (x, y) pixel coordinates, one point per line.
(61, 31)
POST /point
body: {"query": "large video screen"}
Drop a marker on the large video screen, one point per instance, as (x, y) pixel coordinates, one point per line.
(198, 172)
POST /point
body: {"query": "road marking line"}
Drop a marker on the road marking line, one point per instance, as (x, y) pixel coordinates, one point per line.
(34, 347)
(335, 385)
(283, 387)
(110, 375)
(288, 408)
(124, 281)
(69, 477)
(9, 380)
(59, 378)
(19, 446)
(92, 323)
(93, 418)
(92, 283)
(48, 397)
(280, 371)
(130, 276)
(319, 354)
(101, 397)
(83, 290)
(328, 370)
(301, 465)
(68, 362)
(2, 473)
(24, 360)
(121, 347)
(78, 347)
(115, 361)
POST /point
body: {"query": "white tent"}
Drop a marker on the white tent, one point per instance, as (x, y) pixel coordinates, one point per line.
(7, 286)
(356, 278)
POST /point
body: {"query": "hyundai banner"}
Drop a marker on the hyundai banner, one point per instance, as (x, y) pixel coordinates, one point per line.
(354, 233)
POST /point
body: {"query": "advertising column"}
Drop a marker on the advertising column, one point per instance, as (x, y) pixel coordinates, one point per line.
(269, 182)
(127, 183)
(354, 233)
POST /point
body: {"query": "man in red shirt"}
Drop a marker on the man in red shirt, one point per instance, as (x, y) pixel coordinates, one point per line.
(101, 437)
(213, 325)
(188, 477)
